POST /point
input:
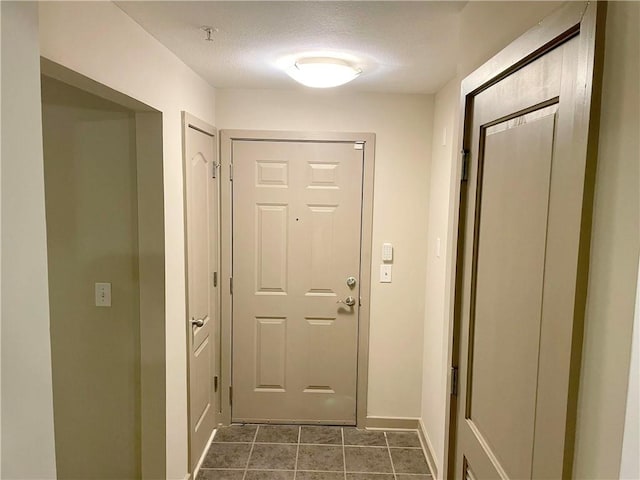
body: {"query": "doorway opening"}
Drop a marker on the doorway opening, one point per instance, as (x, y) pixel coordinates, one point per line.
(105, 239)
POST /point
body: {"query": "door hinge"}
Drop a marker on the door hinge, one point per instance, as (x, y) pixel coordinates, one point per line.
(454, 381)
(216, 166)
(230, 395)
(231, 285)
(215, 383)
(231, 172)
(465, 165)
(358, 146)
(215, 279)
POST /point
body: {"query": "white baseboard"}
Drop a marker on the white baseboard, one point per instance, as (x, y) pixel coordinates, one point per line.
(392, 423)
(407, 423)
(204, 454)
(427, 446)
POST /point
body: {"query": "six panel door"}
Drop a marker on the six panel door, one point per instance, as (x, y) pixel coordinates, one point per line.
(296, 242)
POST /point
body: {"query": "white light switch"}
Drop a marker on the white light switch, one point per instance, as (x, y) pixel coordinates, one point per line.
(103, 294)
(385, 273)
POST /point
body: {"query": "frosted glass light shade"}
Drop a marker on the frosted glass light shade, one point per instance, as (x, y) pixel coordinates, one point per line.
(320, 72)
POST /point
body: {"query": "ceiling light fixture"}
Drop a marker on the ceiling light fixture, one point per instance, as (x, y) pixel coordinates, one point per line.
(322, 72)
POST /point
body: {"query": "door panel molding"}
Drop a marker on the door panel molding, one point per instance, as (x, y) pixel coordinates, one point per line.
(582, 23)
(275, 175)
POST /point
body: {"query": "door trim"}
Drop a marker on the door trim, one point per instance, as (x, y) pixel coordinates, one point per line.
(226, 203)
(190, 121)
(586, 19)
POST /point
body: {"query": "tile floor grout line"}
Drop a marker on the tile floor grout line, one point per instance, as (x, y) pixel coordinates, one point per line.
(319, 445)
(314, 471)
(393, 468)
(376, 446)
(311, 444)
(252, 469)
(295, 467)
(344, 454)
(246, 467)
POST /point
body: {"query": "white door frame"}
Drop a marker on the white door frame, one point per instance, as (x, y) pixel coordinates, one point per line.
(226, 212)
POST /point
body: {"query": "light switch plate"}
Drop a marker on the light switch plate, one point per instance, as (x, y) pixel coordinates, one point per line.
(385, 273)
(103, 294)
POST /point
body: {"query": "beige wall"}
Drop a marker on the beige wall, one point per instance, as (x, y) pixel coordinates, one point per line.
(152, 294)
(630, 463)
(402, 124)
(0, 255)
(27, 407)
(436, 338)
(615, 245)
(98, 40)
(486, 27)
(92, 236)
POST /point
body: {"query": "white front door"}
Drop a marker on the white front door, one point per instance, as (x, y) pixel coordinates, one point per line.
(201, 240)
(297, 209)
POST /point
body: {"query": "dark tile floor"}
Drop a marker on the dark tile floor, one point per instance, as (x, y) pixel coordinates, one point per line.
(283, 452)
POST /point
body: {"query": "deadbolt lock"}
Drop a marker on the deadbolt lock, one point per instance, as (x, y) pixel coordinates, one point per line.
(351, 282)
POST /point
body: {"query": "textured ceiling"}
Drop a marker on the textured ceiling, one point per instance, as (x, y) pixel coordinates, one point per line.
(407, 47)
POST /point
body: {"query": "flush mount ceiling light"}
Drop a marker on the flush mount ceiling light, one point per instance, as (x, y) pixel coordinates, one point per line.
(322, 72)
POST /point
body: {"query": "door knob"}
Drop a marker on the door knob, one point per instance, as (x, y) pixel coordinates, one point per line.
(349, 301)
(197, 323)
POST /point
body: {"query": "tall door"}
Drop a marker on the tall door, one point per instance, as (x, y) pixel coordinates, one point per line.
(522, 281)
(202, 329)
(296, 267)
